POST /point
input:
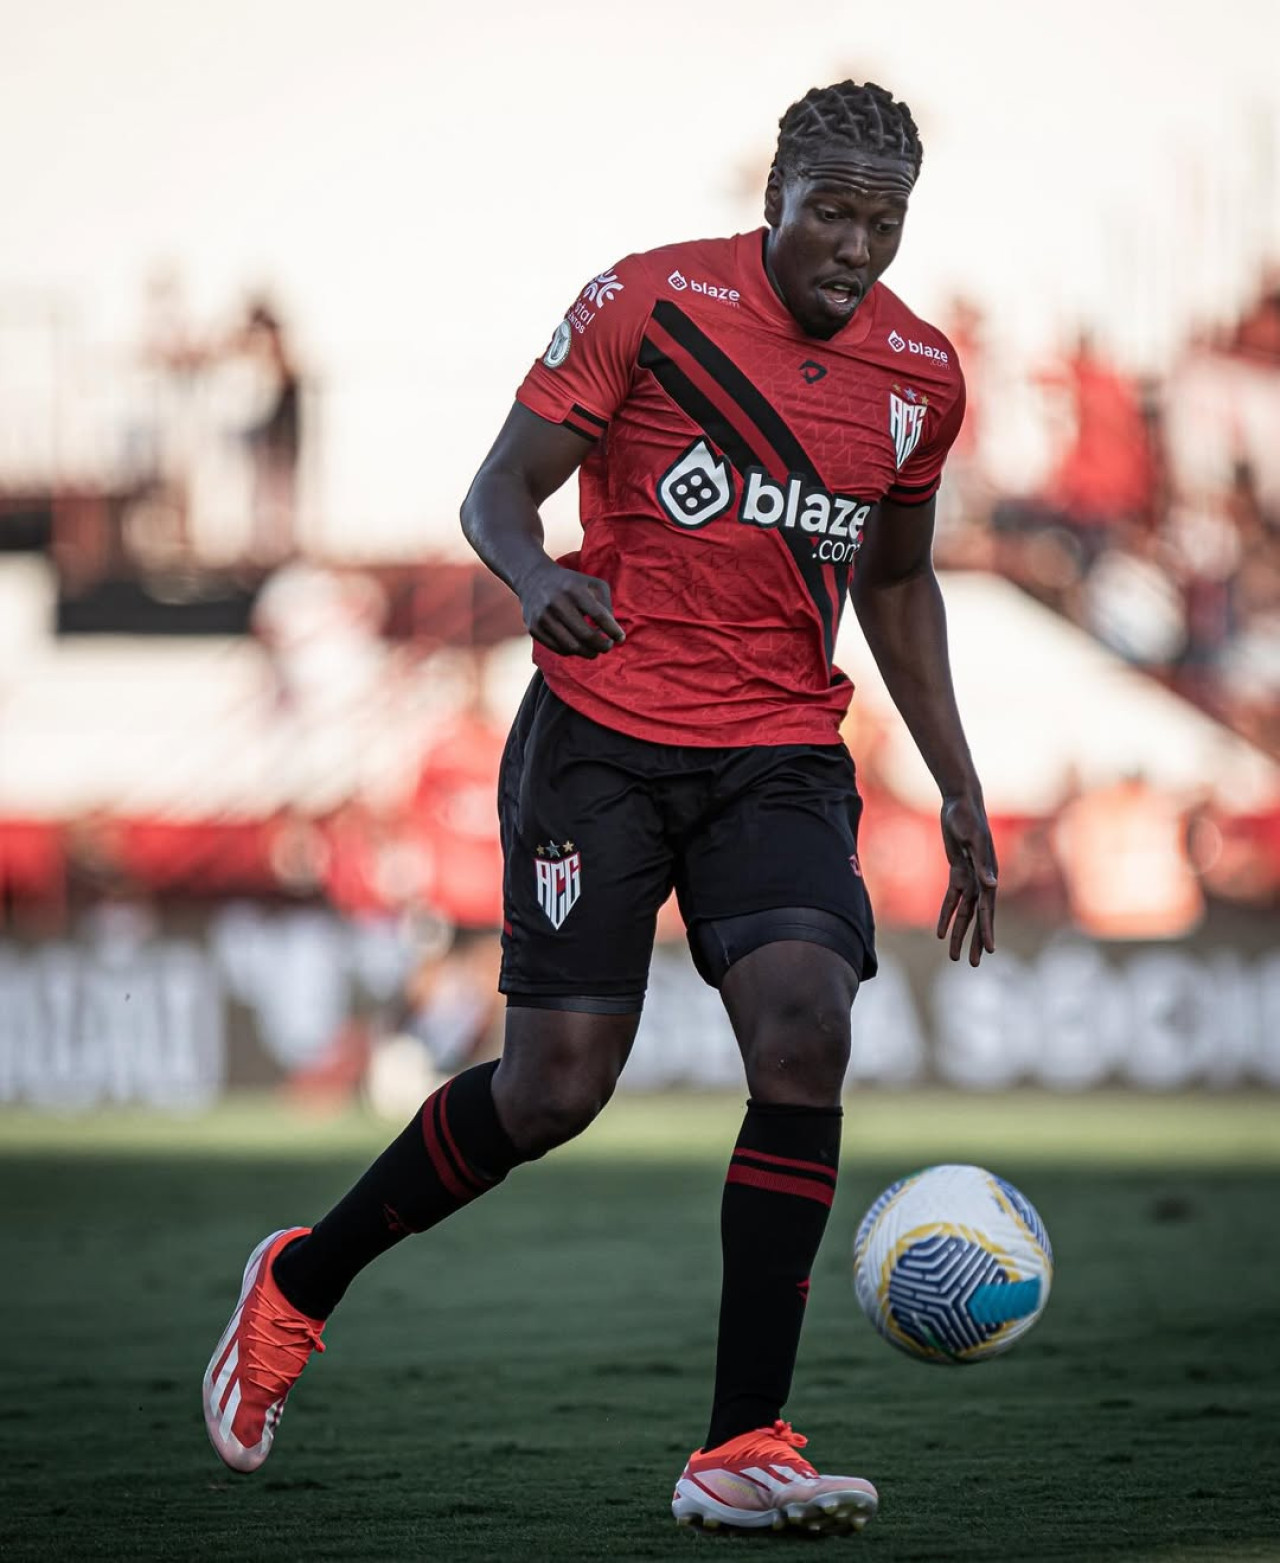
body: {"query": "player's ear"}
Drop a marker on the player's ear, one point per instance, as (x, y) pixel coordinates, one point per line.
(773, 198)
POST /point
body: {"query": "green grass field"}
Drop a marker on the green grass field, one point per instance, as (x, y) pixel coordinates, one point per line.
(526, 1382)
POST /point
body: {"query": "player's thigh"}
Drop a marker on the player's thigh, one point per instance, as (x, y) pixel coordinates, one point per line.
(778, 862)
(586, 863)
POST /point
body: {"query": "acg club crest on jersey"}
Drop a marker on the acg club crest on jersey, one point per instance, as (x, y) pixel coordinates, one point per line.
(558, 867)
(906, 419)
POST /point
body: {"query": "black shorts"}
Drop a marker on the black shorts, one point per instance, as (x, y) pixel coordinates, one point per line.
(597, 827)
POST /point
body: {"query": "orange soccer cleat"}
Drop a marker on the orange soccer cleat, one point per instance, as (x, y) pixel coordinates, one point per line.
(757, 1481)
(257, 1362)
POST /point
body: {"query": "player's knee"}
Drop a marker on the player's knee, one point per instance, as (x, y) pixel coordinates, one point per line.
(790, 1003)
(800, 1023)
(561, 1106)
(548, 1097)
(797, 1050)
(801, 1077)
(558, 1070)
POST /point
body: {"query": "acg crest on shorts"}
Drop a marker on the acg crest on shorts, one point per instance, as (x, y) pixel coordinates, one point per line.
(558, 871)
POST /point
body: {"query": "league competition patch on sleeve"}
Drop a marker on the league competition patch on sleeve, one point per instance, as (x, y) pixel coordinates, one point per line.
(559, 345)
(588, 304)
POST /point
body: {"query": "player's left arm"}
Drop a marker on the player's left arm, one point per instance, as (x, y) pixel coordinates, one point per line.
(898, 602)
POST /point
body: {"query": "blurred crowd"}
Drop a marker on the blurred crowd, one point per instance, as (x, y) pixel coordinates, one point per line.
(214, 421)
(410, 833)
(1155, 520)
(1145, 509)
(181, 450)
(1150, 519)
(1118, 860)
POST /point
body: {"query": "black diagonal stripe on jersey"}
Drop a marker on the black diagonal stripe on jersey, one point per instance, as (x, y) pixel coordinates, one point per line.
(794, 458)
(690, 400)
(725, 372)
(844, 574)
(716, 424)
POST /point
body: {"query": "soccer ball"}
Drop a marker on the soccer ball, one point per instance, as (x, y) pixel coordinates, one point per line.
(952, 1264)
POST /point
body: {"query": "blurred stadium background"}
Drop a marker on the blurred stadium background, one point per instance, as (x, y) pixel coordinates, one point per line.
(269, 276)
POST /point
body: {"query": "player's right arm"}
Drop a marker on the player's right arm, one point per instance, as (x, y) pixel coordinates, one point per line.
(563, 406)
(530, 459)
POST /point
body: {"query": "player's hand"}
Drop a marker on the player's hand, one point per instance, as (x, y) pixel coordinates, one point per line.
(568, 612)
(971, 895)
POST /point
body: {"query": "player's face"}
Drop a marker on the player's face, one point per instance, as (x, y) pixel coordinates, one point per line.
(835, 225)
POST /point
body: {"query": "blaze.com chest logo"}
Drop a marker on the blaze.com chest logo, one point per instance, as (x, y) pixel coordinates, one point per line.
(700, 486)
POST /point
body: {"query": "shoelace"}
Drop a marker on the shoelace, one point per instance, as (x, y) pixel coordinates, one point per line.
(291, 1334)
(764, 1448)
(788, 1435)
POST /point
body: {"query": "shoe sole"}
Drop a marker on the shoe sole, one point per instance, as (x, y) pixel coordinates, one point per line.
(213, 1413)
(834, 1514)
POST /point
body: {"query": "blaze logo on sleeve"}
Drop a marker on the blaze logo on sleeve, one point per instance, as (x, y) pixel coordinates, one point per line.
(678, 282)
(697, 488)
(901, 344)
(558, 867)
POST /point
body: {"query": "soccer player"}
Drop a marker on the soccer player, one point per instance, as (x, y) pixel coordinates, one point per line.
(750, 417)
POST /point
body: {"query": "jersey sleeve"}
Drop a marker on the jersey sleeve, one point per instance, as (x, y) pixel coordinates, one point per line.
(585, 374)
(920, 476)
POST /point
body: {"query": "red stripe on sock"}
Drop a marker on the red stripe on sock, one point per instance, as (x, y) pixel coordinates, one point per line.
(436, 1152)
(465, 1169)
(778, 1183)
(815, 1167)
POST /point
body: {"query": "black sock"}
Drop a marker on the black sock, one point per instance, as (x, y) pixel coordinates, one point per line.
(777, 1196)
(454, 1150)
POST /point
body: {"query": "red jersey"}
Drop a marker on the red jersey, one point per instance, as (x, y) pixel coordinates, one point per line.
(734, 464)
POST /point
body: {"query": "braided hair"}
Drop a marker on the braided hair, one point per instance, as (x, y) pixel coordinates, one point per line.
(859, 118)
